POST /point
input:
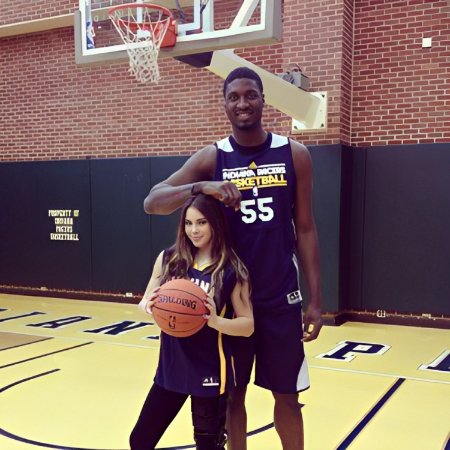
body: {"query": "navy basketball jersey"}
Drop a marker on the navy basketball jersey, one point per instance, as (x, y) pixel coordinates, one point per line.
(263, 229)
(199, 364)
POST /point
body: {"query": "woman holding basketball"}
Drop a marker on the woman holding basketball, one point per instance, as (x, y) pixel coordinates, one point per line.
(200, 365)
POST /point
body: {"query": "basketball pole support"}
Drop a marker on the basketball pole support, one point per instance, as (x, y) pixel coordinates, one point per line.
(309, 108)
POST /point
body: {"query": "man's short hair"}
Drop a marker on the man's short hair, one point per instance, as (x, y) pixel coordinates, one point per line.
(242, 72)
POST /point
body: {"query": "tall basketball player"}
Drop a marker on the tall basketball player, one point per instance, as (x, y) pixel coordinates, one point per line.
(265, 182)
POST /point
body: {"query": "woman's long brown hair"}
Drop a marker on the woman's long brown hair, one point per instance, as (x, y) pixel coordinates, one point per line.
(181, 255)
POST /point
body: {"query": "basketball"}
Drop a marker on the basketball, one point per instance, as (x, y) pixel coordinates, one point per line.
(179, 308)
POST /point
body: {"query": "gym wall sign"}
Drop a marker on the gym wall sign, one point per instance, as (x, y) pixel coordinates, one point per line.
(64, 224)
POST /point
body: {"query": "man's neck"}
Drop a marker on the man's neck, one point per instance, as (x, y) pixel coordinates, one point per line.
(250, 138)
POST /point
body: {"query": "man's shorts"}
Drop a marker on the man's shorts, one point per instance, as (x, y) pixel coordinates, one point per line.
(277, 349)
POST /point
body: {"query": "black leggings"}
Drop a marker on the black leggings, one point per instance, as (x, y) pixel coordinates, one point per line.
(161, 407)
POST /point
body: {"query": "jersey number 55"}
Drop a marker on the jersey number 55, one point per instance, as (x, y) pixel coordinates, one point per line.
(257, 208)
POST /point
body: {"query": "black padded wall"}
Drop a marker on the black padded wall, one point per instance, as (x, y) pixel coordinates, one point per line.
(164, 228)
(45, 224)
(327, 180)
(121, 239)
(382, 215)
(125, 240)
(406, 249)
(118, 241)
(352, 236)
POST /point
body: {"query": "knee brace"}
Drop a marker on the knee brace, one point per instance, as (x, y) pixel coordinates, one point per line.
(208, 418)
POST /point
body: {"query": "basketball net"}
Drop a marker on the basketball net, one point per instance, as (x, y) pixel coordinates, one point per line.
(142, 28)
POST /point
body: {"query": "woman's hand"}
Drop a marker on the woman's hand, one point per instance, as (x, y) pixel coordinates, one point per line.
(212, 318)
(148, 300)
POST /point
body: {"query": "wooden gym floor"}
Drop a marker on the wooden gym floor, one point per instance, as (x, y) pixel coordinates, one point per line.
(74, 374)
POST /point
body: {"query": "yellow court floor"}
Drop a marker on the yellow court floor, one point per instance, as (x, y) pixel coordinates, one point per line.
(74, 375)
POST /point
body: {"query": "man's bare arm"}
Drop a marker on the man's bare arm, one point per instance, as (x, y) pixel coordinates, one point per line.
(307, 240)
(194, 177)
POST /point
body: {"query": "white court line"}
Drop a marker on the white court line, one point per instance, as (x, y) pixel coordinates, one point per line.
(390, 375)
(72, 338)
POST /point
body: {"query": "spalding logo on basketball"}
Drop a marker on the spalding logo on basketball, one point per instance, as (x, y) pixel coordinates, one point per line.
(180, 307)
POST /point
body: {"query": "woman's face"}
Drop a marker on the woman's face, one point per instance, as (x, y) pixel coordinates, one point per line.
(197, 228)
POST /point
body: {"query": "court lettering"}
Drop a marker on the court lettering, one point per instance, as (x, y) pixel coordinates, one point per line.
(114, 329)
(120, 328)
(34, 313)
(440, 364)
(60, 322)
(345, 350)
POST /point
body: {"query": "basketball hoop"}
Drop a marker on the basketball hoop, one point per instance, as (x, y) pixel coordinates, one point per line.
(144, 29)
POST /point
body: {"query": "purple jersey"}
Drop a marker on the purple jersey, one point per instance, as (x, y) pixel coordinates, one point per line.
(263, 229)
(199, 364)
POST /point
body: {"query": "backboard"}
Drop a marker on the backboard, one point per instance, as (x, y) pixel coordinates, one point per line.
(203, 26)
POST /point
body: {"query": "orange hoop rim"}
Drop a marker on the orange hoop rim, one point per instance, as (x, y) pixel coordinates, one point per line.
(166, 11)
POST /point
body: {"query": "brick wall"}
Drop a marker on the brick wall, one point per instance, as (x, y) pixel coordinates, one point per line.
(13, 11)
(389, 91)
(401, 91)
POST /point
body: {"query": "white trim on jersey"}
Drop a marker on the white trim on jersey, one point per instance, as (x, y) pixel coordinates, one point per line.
(225, 145)
(278, 141)
(297, 268)
(303, 377)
